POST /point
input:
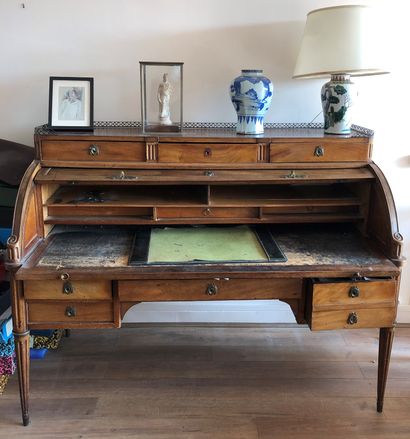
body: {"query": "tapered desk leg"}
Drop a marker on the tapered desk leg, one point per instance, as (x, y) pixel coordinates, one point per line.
(385, 344)
(22, 342)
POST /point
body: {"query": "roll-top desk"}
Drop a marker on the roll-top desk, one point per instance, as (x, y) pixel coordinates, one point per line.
(87, 196)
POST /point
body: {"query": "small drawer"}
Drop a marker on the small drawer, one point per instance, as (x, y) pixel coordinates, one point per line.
(207, 153)
(67, 290)
(207, 212)
(98, 210)
(70, 312)
(353, 318)
(92, 151)
(359, 294)
(319, 151)
(209, 289)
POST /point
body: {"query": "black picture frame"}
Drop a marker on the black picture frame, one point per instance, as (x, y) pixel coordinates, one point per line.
(71, 103)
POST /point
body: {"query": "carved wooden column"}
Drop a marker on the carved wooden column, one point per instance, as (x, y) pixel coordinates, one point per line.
(385, 344)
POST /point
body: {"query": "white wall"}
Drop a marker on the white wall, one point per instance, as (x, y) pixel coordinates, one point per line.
(105, 39)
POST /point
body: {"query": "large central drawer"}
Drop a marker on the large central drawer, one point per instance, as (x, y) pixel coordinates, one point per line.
(208, 289)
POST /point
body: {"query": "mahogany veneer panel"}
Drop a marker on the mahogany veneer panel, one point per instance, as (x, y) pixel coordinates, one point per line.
(373, 293)
(79, 150)
(207, 153)
(55, 312)
(306, 151)
(81, 290)
(366, 318)
(248, 289)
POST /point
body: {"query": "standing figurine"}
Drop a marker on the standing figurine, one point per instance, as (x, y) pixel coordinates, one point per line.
(164, 96)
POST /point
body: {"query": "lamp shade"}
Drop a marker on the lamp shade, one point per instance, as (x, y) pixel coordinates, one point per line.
(341, 39)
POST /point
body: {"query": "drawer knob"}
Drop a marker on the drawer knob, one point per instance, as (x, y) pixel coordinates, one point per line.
(319, 151)
(64, 276)
(211, 290)
(354, 292)
(352, 319)
(209, 173)
(93, 150)
(70, 311)
(207, 152)
(68, 288)
(206, 212)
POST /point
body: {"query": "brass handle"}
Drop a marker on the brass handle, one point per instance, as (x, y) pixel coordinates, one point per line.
(211, 290)
(93, 150)
(70, 311)
(206, 212)
(319, 151)
(207, 152)
(352, 319)
(64, 276)
(354, 292)
(68, 288)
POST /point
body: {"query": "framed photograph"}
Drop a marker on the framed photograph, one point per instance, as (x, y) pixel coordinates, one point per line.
(161, 96)
(71, 103)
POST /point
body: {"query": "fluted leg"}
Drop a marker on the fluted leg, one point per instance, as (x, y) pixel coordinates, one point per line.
(385, 344)
(22, 342)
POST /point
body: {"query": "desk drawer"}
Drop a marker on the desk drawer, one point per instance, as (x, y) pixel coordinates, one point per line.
(348, 294)
(209, 289)
(70, 312)
(353, 318)
(335, 150)
(92, 151)
(207, 153)
(207, 212)
(67, 290)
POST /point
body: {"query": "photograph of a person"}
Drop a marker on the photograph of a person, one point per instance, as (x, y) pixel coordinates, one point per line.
(71, 103)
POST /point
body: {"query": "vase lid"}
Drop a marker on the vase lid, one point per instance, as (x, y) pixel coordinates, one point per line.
(251, 71)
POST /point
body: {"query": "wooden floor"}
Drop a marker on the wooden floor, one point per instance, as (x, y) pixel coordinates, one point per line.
(209, 382)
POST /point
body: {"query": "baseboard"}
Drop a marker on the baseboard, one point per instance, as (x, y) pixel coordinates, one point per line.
(403, 314)
(214, 325)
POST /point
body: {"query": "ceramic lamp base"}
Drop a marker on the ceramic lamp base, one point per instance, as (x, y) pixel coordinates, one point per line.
(337, 101)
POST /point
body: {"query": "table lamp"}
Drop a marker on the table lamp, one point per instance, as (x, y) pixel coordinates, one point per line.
(340, 42)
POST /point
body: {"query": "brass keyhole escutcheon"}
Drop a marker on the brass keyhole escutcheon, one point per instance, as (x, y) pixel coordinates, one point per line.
(207, 152)
(93, 150)
(319, 151)
(352, 319)
(209, 173)
(68, 288)
(211, 290)
(70, 311)
(354, 292)
(206, 212)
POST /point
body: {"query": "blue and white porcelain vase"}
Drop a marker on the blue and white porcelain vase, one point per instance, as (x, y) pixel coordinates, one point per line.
(251, 95)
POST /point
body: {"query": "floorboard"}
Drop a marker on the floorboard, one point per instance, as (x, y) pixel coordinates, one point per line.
(213, 383)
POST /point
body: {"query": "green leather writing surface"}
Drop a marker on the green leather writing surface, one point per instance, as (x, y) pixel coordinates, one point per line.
(185, 244)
